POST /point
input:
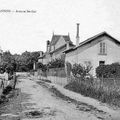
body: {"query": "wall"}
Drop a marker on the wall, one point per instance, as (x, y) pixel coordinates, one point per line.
(58, 53)
(40, 60)
(46, 59)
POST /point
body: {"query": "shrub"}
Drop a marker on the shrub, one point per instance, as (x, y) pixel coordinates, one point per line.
(3, 99)
(42, 67)
(107, 71)
(56, 63)
(23, 68)
(7, 90)
(80, 71)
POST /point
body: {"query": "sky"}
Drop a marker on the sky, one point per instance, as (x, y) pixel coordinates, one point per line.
(23, 31)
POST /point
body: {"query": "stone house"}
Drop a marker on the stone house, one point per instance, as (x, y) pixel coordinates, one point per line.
(55, 48)
(99, 49)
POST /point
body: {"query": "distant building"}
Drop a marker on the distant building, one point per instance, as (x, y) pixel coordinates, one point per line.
(55, 48)
(40, 57)
(97, 50)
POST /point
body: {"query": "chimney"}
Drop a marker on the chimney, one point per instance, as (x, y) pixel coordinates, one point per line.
(67, 45)
(48, 45)
(77, 36)
(41, 53)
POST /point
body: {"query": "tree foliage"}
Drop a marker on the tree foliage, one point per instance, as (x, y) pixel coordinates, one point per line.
(17, 62)
(8, 62)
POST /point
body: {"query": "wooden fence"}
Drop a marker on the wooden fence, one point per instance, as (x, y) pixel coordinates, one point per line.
(55, 80)
(56, 75)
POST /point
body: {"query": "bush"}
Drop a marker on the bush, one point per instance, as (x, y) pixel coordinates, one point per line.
(3, 99)
(56, 63)
(80, 71)
(7, 90)
(108, 71)
(23, 68)
(42, 67)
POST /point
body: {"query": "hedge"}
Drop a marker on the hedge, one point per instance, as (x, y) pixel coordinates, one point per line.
(108, 71)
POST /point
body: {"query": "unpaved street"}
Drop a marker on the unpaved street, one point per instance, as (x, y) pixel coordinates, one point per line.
(46, 106)
(39, 102)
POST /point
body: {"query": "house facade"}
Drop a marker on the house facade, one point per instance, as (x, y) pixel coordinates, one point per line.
(55, 48)
(97, 50)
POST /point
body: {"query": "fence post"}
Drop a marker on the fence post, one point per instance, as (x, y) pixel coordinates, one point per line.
(15, 80)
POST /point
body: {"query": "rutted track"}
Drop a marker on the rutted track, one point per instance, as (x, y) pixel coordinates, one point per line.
(79, 105)
(39, 101)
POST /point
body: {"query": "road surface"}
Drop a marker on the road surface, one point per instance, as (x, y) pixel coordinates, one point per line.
(37, 102)
(40, 103)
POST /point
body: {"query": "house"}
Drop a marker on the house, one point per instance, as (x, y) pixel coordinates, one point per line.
(40, 57)
(55, 48)
(97, 50)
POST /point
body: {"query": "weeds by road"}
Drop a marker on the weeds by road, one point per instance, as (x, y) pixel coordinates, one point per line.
(79, 105)
(11, 109)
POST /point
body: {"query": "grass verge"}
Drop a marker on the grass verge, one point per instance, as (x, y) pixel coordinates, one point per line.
(100, 92)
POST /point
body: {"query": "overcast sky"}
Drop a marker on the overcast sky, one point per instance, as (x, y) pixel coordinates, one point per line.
(29, 31)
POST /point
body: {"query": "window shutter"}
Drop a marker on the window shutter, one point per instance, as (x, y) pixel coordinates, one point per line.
(103, 48)
(100, 48)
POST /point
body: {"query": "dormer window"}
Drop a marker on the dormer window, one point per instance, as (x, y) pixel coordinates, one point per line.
(103, 50)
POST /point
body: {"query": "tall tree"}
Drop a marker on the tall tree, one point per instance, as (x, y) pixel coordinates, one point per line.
(8, 61)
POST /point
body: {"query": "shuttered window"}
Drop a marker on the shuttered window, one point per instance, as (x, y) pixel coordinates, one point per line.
(103, 48)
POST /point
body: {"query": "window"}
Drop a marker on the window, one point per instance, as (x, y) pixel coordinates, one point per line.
(102, 48)
(101, 63)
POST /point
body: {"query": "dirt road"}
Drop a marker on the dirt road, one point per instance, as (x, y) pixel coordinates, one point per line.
(40, 103)
(37, 102)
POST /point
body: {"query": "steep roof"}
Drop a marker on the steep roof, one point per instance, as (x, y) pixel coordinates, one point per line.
(55, 38)
(99, 35)
(92, 39)
(64, 46)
